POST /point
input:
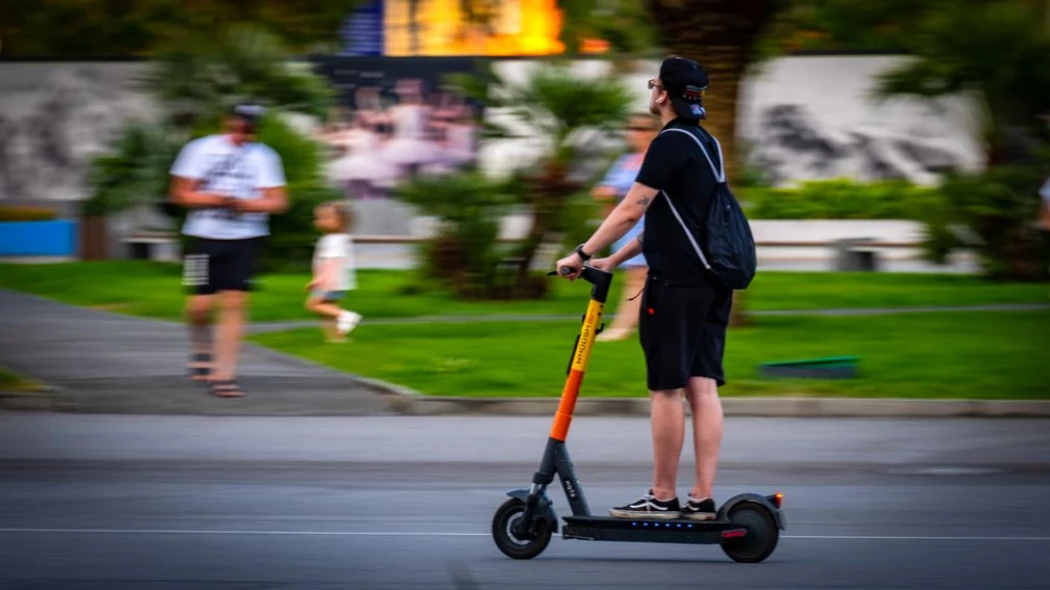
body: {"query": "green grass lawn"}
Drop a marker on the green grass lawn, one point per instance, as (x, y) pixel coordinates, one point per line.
(153, 290)
(944, 355)
(10, 381)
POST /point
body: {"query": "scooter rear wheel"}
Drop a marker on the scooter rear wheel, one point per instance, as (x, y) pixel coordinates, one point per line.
(762, 534)
(506, 518)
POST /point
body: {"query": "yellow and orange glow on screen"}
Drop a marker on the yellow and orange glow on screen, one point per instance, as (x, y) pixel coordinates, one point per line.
(519, 27)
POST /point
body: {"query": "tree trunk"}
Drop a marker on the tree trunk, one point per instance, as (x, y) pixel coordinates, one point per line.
(718, 34)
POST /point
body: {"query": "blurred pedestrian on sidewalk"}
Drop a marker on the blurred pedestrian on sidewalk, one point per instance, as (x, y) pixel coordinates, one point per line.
(641, 130)
(231, 183)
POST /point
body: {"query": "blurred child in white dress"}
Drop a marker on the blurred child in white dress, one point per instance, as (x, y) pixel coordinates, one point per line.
(333, 271)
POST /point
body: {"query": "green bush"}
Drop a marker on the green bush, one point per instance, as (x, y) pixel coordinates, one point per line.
(134, 171)
(993, 212)
(9, 213)
(465, 255)
(837, 199)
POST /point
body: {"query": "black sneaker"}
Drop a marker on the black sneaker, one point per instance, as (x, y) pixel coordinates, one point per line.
(700, 509)
(648, 507)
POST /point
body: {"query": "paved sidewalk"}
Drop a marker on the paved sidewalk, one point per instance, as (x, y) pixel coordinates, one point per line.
(105, 363)
(102, 362)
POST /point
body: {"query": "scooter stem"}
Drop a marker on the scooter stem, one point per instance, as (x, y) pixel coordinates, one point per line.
(601, 281)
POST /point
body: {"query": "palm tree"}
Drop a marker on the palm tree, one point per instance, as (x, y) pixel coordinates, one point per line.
(566, 112)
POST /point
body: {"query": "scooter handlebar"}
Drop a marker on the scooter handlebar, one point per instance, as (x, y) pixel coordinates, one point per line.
(599, 278)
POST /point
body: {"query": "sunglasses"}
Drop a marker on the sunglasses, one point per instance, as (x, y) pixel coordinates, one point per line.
(654, 84)
(641, 128)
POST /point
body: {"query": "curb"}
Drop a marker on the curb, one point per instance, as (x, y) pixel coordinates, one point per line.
(406, 402)
(38, 400)
(413, 404)
(778, 407)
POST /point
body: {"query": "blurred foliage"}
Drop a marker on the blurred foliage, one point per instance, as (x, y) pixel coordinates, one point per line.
(202, 78)
(846, 25)
(123, 28)
(624, 24)
(838, 199)
(26, 213)
(996, 53)
(994, 213)
(134, 169)
(465, 255)
(887, 26)
(564, 107)
(567, 113)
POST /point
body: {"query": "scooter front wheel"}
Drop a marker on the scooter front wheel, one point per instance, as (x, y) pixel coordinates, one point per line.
(507, 540)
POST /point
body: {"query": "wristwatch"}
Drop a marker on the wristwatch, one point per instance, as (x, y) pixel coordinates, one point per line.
(583, 255)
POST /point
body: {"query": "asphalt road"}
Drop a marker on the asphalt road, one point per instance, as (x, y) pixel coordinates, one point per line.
(159, 503)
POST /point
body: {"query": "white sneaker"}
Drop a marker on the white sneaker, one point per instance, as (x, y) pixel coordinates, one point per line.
(347, 321)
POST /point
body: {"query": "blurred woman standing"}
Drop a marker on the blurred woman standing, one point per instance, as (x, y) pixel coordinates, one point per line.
(641, 130)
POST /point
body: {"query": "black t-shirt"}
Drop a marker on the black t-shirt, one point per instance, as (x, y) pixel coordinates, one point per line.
(675, 165)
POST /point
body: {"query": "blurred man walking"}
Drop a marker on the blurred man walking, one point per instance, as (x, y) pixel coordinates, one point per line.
(231, 184)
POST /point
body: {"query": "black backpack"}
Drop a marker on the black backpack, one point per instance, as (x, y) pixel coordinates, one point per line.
(729, 245)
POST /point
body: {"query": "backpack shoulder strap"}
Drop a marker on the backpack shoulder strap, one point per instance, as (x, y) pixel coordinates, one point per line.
(720, 174)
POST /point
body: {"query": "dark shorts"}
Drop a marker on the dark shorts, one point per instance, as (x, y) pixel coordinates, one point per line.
(682, 329)
(220, 265)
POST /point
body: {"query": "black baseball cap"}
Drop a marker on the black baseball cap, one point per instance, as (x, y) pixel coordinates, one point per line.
(686, 83)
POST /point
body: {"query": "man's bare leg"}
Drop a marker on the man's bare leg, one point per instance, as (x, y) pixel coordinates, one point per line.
(707, 433)
(232, 305)
(668, 424)
(198, 320)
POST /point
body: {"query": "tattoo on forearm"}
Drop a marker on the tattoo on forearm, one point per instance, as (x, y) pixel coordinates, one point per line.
(643, 201)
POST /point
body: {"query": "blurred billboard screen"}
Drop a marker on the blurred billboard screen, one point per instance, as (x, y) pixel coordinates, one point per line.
(396, 118)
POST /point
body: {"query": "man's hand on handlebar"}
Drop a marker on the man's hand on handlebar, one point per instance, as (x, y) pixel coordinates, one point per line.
(570, 267)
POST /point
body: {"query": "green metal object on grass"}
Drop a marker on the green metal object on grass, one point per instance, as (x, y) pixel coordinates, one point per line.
(838, 367)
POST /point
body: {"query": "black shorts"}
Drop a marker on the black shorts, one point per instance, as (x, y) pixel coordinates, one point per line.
(683, 333)
(220, 265)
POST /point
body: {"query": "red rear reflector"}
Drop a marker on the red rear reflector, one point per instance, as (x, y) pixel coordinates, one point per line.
(734, 533)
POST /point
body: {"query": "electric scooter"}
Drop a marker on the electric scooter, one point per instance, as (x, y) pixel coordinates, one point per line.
(747, 526)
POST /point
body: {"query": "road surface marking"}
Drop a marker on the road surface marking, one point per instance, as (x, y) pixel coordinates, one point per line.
(452, 534)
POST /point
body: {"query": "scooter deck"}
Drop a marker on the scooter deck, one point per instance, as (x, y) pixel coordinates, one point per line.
(606, 528)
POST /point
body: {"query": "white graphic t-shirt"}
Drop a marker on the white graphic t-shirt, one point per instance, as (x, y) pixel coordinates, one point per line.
(337, 246)
(231, 170)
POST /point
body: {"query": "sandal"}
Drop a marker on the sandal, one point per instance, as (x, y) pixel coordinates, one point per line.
(228, 388)
(200, 366)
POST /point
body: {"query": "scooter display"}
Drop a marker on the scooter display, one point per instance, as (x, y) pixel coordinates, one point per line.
(747, 526)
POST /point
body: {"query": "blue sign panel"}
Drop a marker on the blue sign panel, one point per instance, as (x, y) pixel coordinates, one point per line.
(362, 32)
